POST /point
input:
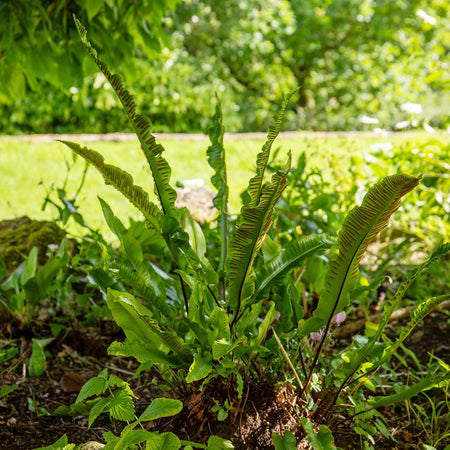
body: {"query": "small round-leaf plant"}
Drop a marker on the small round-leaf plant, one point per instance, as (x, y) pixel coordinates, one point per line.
(203, 317)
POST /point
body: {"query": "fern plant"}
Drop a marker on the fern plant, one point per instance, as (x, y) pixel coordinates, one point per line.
(211, 317)
(213, 298)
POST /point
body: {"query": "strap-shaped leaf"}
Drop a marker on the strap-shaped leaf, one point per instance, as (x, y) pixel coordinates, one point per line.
(291, 256)
(216, 159)
(144, 353)
(360, 228)
(138, 325)
(417, 316)
(254, 190)
(141, 287)
(252, 227)
(153, 152)
(428, 382)
(355, 362)
(122, 181)
(442, 250)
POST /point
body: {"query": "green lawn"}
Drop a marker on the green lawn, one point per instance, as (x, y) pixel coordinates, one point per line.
(28, 169)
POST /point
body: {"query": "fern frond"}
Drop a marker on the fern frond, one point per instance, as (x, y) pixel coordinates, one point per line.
(143, 353)
(122, 181)
(139, 326)
(254, 190)
(291, 256)
(216, 159)
(251, 230)
(430, 381)
(442, 250)
(349, 368)
(142, 288)
(153, 152)
(360, 228)
(417, 316)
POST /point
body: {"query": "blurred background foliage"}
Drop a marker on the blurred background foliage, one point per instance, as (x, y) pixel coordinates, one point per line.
(360, 64)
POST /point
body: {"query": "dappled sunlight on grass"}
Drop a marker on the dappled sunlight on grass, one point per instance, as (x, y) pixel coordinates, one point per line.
(28, 169)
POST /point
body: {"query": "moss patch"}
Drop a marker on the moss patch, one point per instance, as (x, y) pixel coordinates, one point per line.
(19, 236)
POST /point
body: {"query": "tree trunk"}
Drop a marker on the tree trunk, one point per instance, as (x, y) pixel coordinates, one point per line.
(301, 74)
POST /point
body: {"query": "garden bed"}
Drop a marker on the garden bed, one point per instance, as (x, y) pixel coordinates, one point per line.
(26, 421)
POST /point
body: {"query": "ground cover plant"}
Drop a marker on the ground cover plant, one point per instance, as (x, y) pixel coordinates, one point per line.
(224, 310)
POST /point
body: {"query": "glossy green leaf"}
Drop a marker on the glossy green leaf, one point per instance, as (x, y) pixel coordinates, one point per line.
(99, 407)
(128, 439)
(113, 222)
(219, 321)
(37, 286)
(124, 308)
(144, 353)
(265, 324)
(291, 256)
(200, 368)
(218, 443)
(139, 326)
(93, 7)
(30, 266)
(161, 407)
(222, 347)
(60, 444)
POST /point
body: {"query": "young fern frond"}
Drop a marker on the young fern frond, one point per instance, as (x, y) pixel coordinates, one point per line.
(254, 191)
(253, 225)
(153, 152)
(122, 181)
(216, 159)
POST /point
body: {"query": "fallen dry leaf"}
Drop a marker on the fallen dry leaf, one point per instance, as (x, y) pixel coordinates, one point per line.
(72, 382)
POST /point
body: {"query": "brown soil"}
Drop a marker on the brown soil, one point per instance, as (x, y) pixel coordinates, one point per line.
(261, 411)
